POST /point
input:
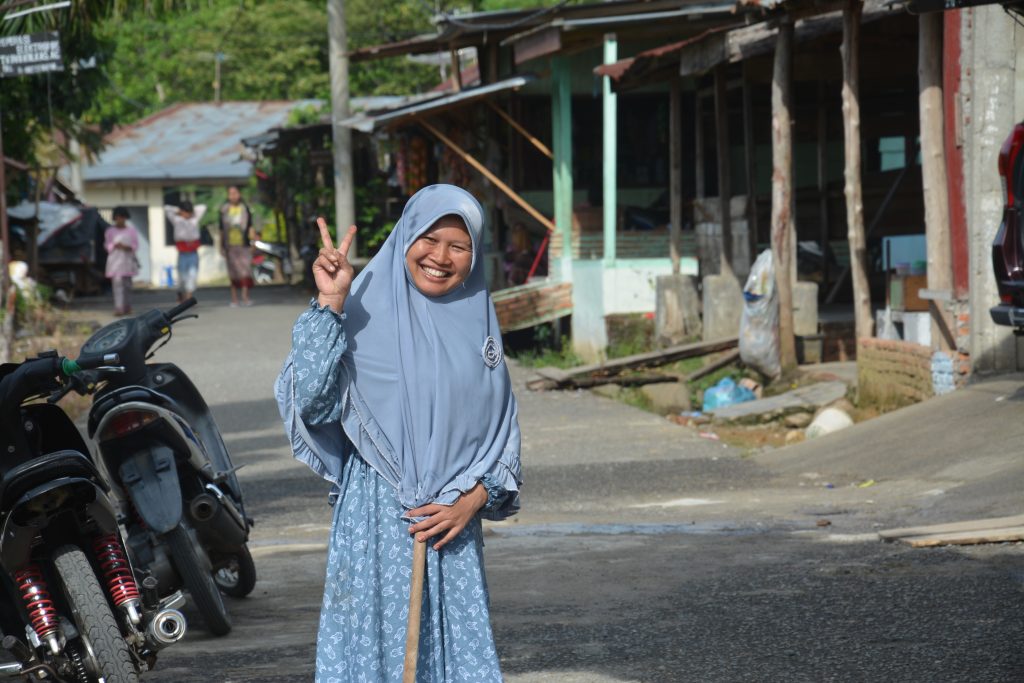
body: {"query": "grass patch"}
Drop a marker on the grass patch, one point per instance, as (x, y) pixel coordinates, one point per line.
(563, 357)
(633, 396)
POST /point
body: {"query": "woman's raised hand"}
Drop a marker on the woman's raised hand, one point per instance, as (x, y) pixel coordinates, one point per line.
(332, 272)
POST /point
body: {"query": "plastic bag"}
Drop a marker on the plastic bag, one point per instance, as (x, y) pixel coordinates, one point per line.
(726, 393)
(759, 324)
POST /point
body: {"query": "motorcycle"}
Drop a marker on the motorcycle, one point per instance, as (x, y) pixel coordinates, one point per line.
(68, 585)
(269, 259)
(166, 459)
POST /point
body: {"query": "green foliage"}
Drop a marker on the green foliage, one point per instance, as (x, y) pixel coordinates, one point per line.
(268, 51)
(545, 354)
(32, 106)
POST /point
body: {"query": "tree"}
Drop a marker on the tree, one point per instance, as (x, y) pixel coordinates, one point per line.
(269, 50)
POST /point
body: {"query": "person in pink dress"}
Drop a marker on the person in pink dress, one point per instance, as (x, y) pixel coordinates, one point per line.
(121, 241)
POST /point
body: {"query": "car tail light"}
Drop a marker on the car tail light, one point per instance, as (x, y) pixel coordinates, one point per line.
(1008, 154)
(125, 423)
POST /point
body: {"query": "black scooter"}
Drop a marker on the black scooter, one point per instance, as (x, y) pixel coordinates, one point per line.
(166, 459)
(71, 603)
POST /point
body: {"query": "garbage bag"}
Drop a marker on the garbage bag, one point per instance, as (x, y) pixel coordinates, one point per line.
(759, 324)
(726, 393)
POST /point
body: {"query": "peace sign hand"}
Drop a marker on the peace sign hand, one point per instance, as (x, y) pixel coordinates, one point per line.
(332, 272)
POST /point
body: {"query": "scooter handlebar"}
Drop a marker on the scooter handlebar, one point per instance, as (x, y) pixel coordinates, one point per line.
(181, 308)
(70, 367)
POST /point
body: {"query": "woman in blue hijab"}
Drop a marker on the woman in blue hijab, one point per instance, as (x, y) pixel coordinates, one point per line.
(397, 392)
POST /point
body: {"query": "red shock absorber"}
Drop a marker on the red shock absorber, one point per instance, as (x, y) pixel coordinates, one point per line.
(41, 612)
(116, 570)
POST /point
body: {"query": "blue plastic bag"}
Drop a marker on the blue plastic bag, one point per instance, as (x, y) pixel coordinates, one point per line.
(726, 393)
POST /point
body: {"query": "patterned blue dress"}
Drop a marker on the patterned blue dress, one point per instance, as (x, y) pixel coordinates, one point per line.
(366, 599)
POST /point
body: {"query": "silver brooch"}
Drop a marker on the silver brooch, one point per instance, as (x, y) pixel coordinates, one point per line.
(492, 352)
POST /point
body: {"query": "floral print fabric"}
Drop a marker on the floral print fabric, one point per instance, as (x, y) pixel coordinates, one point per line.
(365, 610)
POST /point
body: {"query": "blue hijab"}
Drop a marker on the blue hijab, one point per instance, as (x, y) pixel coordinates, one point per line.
(426, 396)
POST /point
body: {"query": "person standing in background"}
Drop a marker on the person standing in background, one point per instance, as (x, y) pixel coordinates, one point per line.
(185, 220)
(121, 240)
(236, 236)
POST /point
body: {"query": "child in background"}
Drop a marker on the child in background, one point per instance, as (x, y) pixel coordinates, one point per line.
(185, 220)
(121, 240)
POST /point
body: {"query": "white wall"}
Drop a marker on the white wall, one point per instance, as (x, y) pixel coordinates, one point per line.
(630, 286)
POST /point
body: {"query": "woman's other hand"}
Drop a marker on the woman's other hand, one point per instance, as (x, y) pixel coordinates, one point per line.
(332, 272)
(449, 520)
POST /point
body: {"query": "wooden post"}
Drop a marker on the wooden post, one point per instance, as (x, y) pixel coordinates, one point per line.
(850, 51)
(675, 173)
(933, 169)
(782, 190)
(609, 146)
(698, 146)
(724, 176)
(456, 71)
(518, 127)
(750, 159)
(561, 120)
(823, 182)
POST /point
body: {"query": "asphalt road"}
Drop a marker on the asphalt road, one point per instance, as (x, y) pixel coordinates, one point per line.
(647, 553)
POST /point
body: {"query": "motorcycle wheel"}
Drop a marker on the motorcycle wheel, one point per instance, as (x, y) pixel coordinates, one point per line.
(260, 276)
(194, 571)
(238, 577)
(93, 617)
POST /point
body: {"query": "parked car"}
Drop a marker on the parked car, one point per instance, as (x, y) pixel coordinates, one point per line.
(1008, 247)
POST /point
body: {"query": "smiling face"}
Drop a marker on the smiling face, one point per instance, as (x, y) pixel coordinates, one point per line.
(440, 259)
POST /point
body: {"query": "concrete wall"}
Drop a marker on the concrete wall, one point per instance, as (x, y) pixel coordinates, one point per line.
(105, 196)
(589, 336)
(630, 286)
(992, 100)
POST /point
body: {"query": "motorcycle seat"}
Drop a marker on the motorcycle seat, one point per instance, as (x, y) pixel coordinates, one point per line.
(59, 464)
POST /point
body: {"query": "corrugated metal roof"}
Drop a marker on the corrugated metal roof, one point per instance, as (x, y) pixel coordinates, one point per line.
(371, 121)
(650, 61)
(189, 142)
(478, 28)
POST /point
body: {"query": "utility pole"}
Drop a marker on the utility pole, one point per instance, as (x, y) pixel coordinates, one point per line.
(344, 197)
(218, 57)
(7, 326)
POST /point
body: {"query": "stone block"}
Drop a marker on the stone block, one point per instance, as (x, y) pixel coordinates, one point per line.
(723, 307)
(805, 309)
(668, 398)
(677, 310)
(613, 391)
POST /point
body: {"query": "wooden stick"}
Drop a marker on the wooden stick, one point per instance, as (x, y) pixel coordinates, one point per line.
(412, 634)
(953, 527)
(469, 159)
(522, 131)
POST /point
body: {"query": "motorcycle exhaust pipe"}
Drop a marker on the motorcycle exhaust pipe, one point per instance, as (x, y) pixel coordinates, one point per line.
(217, 520)
(165, 628)
(203, 507)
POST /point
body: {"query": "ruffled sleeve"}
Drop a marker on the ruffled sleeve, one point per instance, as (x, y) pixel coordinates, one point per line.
(318, 342)
(502, 484)
(308, 392)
